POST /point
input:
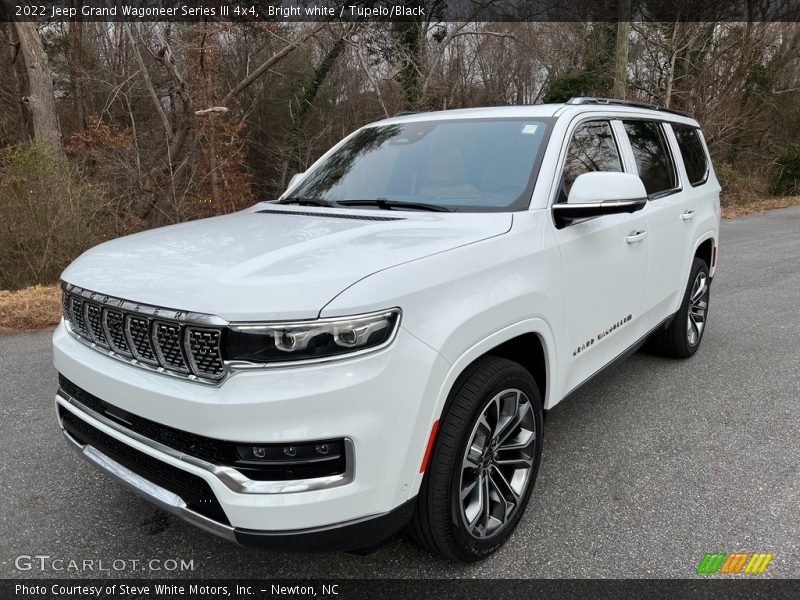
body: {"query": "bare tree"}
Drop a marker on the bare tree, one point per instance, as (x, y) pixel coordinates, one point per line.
(621, 51)
(39, 99)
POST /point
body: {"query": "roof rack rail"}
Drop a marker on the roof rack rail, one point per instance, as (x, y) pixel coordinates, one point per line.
(615, 102)
(405, 112)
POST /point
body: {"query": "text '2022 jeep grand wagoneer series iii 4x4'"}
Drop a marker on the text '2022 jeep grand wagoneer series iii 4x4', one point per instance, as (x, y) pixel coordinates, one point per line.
(375, 350)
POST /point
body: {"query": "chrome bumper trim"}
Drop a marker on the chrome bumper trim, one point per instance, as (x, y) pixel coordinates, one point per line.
(228, 476)
(162, 498)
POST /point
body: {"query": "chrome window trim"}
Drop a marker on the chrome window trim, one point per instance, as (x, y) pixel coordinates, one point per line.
(228, 476)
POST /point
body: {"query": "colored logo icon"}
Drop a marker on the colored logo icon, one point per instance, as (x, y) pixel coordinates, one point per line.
(751, 563)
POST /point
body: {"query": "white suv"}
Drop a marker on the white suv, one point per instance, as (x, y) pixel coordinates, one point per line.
(376, 349)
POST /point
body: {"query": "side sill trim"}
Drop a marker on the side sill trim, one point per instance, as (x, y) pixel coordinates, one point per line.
(162, 498)
(228, 476)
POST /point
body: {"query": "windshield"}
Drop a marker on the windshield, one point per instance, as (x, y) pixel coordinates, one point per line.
(465, 165)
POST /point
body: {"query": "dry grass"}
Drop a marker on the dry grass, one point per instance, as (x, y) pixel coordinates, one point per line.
(36, 307)
(758, 205)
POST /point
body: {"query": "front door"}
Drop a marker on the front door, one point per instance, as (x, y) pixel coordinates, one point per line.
(604, 264)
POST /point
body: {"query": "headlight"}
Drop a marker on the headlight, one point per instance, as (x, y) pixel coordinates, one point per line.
(317, 340)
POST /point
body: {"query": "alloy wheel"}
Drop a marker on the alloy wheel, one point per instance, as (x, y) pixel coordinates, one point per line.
(497, 463)
(698, 304)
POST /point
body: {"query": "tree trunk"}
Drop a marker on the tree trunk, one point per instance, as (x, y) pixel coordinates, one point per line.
(621, 52)
(40, 100)
(17, 72)
(119, 42)
(320, 74)
(76, 74)
(408, 36)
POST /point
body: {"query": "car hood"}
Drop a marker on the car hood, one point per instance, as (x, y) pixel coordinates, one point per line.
(270, 262)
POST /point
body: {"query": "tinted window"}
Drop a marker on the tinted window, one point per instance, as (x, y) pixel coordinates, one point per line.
(693, 153)
(592, 149)
(652, 157)
(467, 165)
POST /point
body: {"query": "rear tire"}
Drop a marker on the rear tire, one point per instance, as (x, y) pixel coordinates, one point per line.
(682, 337)
(484, 463)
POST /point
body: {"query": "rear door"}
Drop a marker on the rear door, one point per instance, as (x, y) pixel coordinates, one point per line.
(604, 262)
(699, 215)
(654, 162)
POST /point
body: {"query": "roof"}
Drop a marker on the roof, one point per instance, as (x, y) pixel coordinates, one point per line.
(571, 108)
(488, 112)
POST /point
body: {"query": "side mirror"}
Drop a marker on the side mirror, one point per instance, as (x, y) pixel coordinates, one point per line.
(601, 193)
(295, 178)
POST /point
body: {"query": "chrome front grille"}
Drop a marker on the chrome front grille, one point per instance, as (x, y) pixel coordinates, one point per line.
(174, 342)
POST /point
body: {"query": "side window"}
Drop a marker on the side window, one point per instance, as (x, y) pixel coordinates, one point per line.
(592, 149)
(692, 152)
(652, 157)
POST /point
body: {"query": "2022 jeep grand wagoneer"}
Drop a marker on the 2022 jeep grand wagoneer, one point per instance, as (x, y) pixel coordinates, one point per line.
(376, 348)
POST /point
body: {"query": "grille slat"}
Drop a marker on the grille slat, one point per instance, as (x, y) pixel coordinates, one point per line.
(139, 341)
(76, 311)
(66, 306)
(93, 317)
(204, 351)
(114, 326)
(153, 336)
(167, 338)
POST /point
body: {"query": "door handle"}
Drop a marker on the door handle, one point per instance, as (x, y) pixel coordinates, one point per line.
(687, 215)
(636, 236)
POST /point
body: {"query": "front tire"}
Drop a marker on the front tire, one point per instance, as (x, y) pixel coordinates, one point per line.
(682, 337)
(484, 463)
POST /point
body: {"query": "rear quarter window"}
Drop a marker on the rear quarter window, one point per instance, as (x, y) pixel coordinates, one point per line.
(692, 152)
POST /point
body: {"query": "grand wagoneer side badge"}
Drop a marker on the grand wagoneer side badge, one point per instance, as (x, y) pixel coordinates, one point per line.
(590, 342)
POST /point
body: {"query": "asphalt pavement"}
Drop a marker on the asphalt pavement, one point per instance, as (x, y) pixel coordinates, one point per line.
(645, 470)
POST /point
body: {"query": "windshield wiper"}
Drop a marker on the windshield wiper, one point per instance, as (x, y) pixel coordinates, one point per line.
(385, 204)
(307, 202)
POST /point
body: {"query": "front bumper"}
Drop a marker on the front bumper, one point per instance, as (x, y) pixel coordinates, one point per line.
(381, 403)
(354, 535)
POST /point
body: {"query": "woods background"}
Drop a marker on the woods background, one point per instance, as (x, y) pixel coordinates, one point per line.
(110, 128)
